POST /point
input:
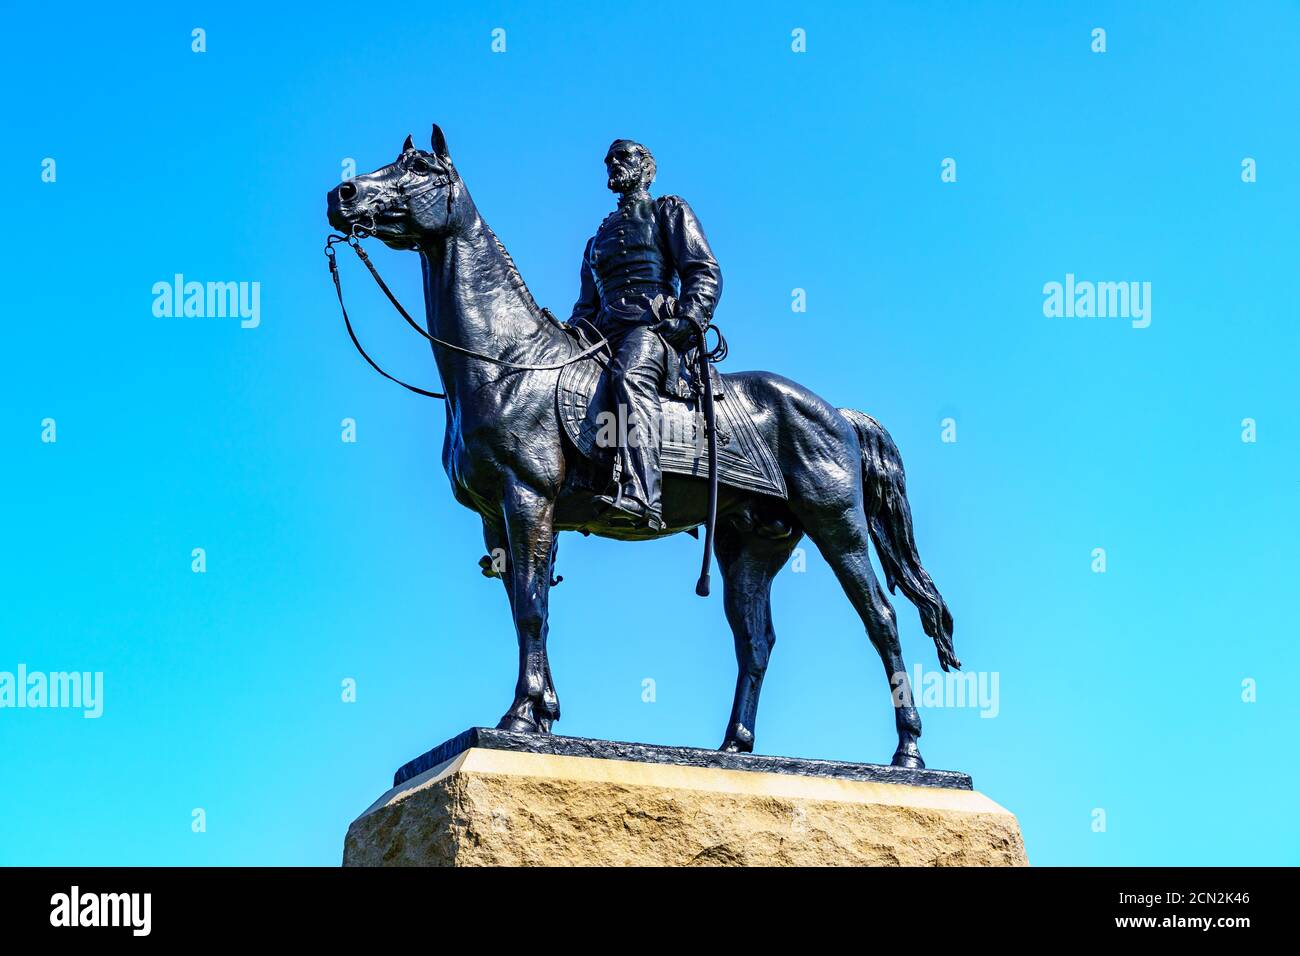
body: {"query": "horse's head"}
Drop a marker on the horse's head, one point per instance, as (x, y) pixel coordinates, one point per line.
(416, 197)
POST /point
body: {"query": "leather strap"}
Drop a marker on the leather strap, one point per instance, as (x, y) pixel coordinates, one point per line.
(440, 343)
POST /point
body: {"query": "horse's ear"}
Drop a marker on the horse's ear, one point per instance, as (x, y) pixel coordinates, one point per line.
(439, 143)
(408, 145)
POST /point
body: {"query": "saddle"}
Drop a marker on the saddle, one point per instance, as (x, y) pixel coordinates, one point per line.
(585, 407)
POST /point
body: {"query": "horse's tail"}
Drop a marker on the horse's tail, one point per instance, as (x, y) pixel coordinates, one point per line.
(889, 519)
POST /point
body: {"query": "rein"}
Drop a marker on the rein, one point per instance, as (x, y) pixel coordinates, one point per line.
(353, 240)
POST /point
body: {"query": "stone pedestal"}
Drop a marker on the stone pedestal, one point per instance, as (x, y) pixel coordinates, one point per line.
(489, 798)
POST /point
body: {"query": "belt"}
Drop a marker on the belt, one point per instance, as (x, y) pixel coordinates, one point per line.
(639, 288)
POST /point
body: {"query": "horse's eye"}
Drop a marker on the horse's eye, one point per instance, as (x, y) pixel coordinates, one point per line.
(421, 166)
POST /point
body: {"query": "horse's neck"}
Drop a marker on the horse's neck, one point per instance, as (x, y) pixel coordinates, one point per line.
(475, 298)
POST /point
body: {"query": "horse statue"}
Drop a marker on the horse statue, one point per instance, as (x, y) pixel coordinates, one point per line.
(518, 451)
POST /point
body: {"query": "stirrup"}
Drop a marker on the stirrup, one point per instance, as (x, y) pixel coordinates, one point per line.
(629, 511)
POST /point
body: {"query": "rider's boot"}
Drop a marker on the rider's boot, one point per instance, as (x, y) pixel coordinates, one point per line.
(626, 509)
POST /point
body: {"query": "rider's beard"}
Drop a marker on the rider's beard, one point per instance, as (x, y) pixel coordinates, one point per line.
(624, 180)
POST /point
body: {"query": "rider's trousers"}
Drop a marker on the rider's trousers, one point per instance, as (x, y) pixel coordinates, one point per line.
(640, 361)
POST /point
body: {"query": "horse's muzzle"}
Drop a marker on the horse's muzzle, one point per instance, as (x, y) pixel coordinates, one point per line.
(341, 196)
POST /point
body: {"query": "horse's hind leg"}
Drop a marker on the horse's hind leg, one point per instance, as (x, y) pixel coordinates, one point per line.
(749, 562)
(843, 542)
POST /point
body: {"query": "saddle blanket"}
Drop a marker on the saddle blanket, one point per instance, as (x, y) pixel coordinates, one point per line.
(744, 460)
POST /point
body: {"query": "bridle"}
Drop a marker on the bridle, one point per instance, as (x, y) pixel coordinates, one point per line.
(353, 239)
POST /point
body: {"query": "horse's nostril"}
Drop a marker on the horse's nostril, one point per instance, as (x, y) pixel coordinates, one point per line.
(347, 192)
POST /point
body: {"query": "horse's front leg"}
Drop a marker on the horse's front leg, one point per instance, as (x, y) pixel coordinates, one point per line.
(527, 519)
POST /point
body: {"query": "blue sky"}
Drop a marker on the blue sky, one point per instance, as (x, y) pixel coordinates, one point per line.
(327, 561)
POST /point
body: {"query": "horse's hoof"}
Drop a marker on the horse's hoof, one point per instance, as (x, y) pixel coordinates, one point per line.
(518, 725)
(911, 761)
(739, 741)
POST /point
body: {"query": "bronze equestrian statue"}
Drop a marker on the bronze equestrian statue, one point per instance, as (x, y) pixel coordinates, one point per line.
(517, 452)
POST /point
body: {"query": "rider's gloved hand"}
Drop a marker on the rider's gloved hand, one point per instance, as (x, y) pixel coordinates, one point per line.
(678, 331)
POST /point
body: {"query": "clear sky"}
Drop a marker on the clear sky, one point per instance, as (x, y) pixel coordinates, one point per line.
(326, 561)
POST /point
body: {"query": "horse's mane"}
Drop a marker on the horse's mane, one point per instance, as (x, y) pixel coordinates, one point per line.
(512, 271)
